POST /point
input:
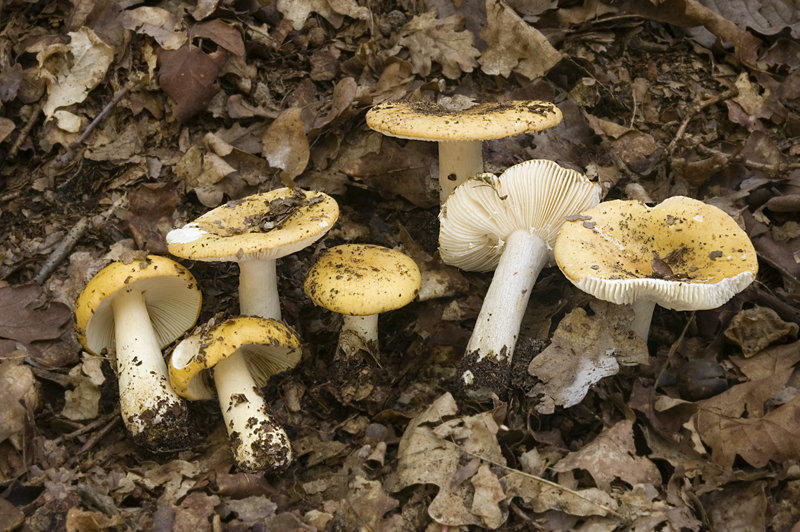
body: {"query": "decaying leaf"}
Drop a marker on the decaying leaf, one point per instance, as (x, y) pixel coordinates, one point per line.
(612, 455)
(755, 329)
(514, 46)
(149, 217)
(21, 322)
(167, 29)
(333, 11)
(188, 76)
(18, 394)
(72, 71)
(584, 350)
(6, 127)
(737, 421)
(444, 41)
(286, 144)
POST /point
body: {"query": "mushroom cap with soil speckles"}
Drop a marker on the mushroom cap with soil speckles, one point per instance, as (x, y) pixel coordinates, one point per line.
(362, 279)
(491, 120)
(268, 346)
(683, 254)
(171, 294)
(264, 226)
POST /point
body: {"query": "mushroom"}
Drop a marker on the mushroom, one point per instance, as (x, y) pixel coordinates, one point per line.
(460, 132)
(137, 309)
(244, 352)
(254, 231)
(682, 254)
(506, 223)
(360, 281)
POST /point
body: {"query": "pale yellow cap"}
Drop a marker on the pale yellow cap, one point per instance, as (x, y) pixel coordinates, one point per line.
(264, 226)
(362, 279)
(268, 346)
(171, 294)
(491, 120)
(683, 254)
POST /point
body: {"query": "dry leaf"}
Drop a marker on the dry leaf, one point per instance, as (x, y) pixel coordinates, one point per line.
(188, 76)
(514, 45)
(584, 350)
(160, 24)
(333, 11)
(21, 322)
(444, 41)
(221, 33)
(612, 455)
(767, 17)
(286, 145)
(6, 127)
(738, 507)
(72, 71)
(17, 395)
(149, 217)
(755, 329)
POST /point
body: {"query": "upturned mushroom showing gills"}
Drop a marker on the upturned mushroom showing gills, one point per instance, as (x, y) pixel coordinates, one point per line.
(507, 224)
(682, 254)
(244, 353)
(254, 232)
(460, 132)
(360, 281)
(135, 310)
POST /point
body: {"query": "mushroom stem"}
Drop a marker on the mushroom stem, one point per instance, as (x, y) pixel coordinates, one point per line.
(494, 337)
(258, 289)
(643, 312)
(148, 404)
(258, 442)
(458, 161)
(358, 331)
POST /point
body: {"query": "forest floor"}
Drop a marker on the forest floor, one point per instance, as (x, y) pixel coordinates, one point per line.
(120, 121)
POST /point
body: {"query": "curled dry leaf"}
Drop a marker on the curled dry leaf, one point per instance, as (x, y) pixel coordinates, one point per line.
(333, 11)
(72, 71)
(514, 46)
(17, 395)
(188, 76)
(755, 329)
(443, 41)
(584, 350)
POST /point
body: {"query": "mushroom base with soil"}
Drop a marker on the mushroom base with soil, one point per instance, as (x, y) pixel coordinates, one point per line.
(486, 365)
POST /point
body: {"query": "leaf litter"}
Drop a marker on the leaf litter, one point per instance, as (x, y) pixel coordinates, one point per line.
(138, 118)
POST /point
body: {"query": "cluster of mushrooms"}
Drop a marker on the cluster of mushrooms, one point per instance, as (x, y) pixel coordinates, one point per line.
(682, 254)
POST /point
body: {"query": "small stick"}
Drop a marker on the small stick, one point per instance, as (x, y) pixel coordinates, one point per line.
(733, 92)
(769, 168)
(63, 249)
(66, 158)
(89, 427)
(25, 132)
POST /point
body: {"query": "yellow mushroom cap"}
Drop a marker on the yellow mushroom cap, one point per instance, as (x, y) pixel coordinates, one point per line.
(534, 195)
(362, 279)
(491, 120)
(269, 347)
(171, 295)
(683, 254)
(264, 226)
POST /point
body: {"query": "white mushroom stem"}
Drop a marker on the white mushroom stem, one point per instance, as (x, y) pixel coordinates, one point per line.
(495, 334)
(145, 394)
(458, 161)
(358, 331)
(258, 289)
(643, 315)
(258, 441)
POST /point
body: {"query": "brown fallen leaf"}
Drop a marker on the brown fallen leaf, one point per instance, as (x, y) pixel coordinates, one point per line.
(755, 329)
(514, 46)
(149, 217)
(188, 76)
(286, 145)
(21, 321)
(167, 29)
(221, 33)
(612, 455)
(443, 41)
(738, 507)
(18, 395)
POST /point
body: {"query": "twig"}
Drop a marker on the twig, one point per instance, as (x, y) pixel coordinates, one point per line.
(695, 108)
(91, 442)
(66, 158)
(89, 427)
(63, 249)
(769, 168)
(25, 132)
